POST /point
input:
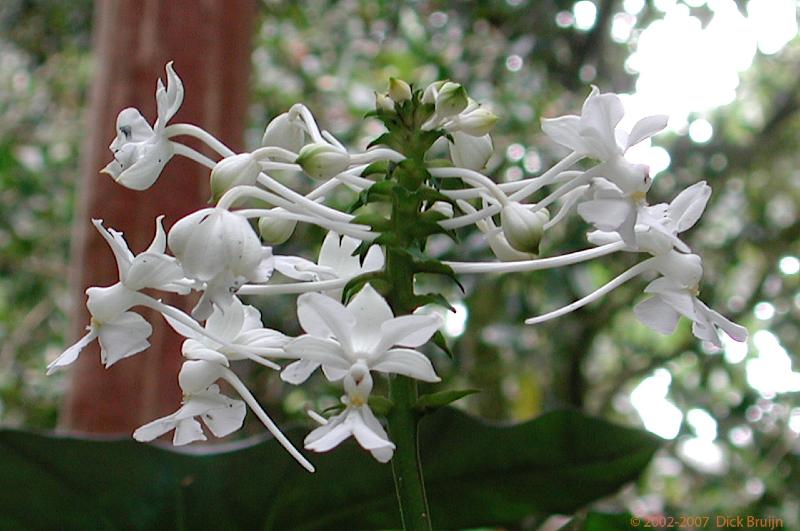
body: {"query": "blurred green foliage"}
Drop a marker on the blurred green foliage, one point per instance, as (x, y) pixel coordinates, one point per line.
(513, 55)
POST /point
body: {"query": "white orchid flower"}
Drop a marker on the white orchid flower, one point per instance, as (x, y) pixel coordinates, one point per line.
(657, 226)
(239, 325)
(612, 210)
(335, 260)
(356, 420)
(595, 134)
(141, 151)
(221, 250)
(122, 333)
(670, 300)
(337, 337)
(221, 414)
(201, 398)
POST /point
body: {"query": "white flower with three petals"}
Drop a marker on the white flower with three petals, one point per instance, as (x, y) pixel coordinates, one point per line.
(356, 420)
(595, 134)
(123, 333)
(140, 151)
(670, 300)
(201, 398)
(365, 330)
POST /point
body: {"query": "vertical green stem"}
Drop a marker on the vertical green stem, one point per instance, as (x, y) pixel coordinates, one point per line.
(406, 468)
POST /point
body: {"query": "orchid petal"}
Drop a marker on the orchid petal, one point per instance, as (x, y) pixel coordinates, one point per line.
(299, 371)
(322, 316)
(565, 130)
(408, 331)
(645, 128)
(125, 336)
(119, 247)
(320, 350)
(688, 206)
(657, 315)
(71, 354)
(406, 362)
(371, 312)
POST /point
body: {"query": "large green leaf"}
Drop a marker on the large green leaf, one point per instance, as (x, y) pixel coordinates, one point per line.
(476, 473)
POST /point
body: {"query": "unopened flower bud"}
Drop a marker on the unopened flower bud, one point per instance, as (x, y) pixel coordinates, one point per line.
(471, 152)
(233, 171)
(431, 92)
(477, 123)
(399, 90)
(522, 228)
(284, 132)
(275, 231)
(383, 102)
(451, 100)
(323, 161)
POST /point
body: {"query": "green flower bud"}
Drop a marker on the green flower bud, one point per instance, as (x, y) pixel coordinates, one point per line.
(522, 228)
(323, 161)
(451, 100)
(275, 231)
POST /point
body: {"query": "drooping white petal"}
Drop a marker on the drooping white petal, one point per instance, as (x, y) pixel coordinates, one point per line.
(229, 323)
(657, 315)
(325, 351)
(735, 331)
(156, 428)
(71, 354)
(299, 371)
(123, 337)
(645, 128)
(406, 362)
(187, 431)
(371, 311)
(322, 316)
(364, 434)
(329, 435)
(382, 453)
(222, 415)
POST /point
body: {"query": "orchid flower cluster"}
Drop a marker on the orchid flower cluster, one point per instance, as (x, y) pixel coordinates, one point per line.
(357, 303)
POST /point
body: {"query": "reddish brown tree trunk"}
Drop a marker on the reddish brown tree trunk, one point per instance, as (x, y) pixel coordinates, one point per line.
(210, 42)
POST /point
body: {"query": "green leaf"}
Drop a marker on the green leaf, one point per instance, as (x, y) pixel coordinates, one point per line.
(379, 167)
(477, 474)
(440, 341)
(442, 398)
